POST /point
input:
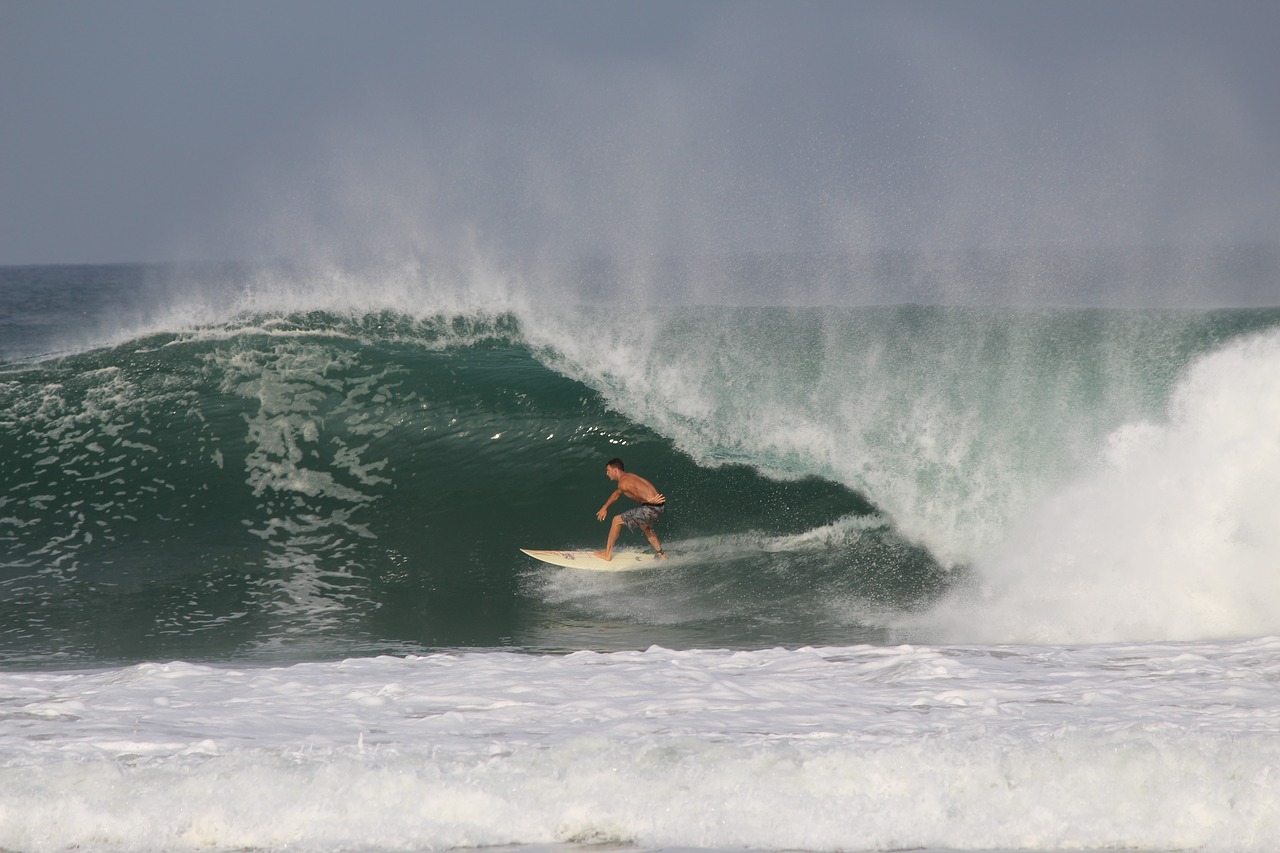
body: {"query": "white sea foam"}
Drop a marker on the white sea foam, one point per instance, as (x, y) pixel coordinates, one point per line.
(1174, 537)
(1160, 746)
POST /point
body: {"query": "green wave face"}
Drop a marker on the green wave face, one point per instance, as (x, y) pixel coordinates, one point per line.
(314, 486)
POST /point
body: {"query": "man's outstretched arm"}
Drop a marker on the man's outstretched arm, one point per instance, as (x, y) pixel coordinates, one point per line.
(604, 510)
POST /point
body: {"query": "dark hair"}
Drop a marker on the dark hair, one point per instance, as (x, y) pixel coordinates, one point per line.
(615, 463)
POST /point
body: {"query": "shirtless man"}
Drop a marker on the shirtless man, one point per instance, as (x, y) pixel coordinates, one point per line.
(640, 490)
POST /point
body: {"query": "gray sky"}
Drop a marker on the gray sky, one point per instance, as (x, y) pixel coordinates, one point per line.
(146, 131)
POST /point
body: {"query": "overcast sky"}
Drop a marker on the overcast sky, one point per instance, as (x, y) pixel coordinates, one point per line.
(147, 131)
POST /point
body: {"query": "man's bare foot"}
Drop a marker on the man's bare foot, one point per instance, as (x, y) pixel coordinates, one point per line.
(662, 555)
(604, 555)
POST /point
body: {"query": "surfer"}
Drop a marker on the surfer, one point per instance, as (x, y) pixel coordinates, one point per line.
(652, 504)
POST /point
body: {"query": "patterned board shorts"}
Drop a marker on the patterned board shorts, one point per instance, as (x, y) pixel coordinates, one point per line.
(645, 515)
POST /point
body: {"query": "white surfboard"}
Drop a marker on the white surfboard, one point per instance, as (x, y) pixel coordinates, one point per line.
(623, 561)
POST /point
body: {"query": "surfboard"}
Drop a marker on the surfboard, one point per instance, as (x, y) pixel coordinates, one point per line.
(623, 561)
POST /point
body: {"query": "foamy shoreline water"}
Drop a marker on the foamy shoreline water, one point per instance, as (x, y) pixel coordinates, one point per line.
(628, 848)
(1158, 746)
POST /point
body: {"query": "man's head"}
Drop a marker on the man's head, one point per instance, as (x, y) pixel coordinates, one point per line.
(614, 468)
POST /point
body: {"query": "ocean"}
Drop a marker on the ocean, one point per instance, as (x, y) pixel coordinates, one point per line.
(944, 577)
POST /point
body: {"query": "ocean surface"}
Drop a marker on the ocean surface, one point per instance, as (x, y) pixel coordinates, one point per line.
(943, 577)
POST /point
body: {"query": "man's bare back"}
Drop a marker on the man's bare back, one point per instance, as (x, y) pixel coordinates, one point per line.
(638, 489)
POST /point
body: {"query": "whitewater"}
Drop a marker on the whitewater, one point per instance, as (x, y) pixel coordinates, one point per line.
(1166, 745)
(946, 578)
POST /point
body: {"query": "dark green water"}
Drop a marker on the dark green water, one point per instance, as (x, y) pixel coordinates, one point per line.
(315, 489)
